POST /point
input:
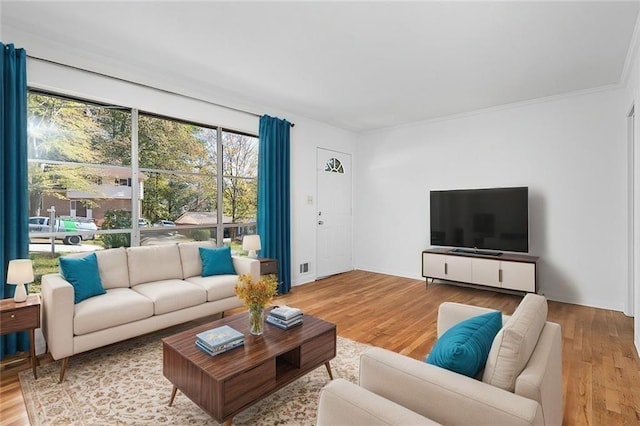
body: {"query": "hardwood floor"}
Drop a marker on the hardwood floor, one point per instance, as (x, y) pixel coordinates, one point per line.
(601, 370)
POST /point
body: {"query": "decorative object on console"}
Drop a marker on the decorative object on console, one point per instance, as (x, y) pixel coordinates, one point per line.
(286, 312)
(219, 340)
(256, 319)
(285, 317)
(251, 243)
(256, 295)
(221, 349)
(20, 273)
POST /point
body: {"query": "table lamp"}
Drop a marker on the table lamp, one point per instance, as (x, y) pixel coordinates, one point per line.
(251, 243)
(20, 273)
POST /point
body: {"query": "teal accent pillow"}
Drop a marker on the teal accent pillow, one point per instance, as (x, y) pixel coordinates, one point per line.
(216, 261)
(464, 348)
(83, 275)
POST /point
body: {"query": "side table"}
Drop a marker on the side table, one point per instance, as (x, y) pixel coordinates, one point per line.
(268, 266)
(20, 316)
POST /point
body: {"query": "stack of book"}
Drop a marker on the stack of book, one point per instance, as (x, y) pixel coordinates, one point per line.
(285, 317)
(219, 340)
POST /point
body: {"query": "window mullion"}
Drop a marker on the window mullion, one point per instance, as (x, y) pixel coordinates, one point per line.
(220, 186)
(135, 182)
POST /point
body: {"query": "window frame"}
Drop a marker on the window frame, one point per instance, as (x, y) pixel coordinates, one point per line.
(135, 169)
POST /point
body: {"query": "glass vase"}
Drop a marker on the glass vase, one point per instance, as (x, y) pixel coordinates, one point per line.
(256, 320)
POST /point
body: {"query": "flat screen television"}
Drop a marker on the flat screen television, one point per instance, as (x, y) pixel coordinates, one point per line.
(481, 219)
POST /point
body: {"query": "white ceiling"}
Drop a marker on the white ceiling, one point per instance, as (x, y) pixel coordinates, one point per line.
(355, 65)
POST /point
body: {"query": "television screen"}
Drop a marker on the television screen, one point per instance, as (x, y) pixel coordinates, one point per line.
(493, 219)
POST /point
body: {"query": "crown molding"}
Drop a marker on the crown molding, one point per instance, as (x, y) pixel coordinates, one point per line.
(632, 54)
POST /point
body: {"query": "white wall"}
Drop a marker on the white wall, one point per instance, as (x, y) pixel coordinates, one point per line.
(306, 136)
(632, 93)
(630, 100)
(72, 82)
(570, 152)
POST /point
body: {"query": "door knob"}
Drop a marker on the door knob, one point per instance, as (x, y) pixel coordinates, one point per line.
(321, 222)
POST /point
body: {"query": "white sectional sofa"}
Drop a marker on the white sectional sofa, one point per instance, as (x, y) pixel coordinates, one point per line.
(147, 289)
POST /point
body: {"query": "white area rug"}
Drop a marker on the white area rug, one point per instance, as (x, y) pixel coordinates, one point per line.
(123, 385)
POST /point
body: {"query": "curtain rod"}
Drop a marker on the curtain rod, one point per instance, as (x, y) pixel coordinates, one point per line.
(147, 86)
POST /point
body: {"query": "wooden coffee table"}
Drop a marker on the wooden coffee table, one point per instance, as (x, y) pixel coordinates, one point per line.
(226, 384)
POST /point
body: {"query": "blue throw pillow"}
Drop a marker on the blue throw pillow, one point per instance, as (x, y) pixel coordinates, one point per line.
(83, 275)
(216, 261)
(464, 348)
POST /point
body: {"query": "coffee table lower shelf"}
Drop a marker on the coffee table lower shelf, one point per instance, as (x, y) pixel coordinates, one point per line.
(226, 384)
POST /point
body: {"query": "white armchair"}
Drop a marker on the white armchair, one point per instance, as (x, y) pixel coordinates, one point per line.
(433, 394)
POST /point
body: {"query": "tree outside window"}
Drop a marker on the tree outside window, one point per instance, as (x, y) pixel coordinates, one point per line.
(80, 156)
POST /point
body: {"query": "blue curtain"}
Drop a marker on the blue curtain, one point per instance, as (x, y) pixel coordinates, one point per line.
(274, 222)
(14, 212)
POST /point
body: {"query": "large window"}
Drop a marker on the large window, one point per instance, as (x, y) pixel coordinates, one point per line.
(93, 184)
(240, 172)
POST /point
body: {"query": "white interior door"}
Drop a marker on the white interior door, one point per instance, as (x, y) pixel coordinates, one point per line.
(333, 221)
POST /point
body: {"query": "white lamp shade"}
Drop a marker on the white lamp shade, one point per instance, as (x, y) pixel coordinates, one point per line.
(20, 271)
(251, 242)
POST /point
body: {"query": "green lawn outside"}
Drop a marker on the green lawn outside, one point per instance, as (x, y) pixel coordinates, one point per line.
(43, 264)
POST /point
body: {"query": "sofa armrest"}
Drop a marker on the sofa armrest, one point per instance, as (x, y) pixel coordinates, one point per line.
(541, 378)
(57, 315)
(344, 403)
(247, 265)
(441, 395)
(451, 313)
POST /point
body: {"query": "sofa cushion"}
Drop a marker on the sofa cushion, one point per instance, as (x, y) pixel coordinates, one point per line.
(83, 275)
(112, 264)
(190, 257)
(116, 307)
(514, 344)
(216, 261)
(465, 346)
(153, 263)
(217, 286)
(172, 295)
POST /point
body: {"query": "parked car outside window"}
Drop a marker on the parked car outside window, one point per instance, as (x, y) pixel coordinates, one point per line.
(165, 223)
(65, 224)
